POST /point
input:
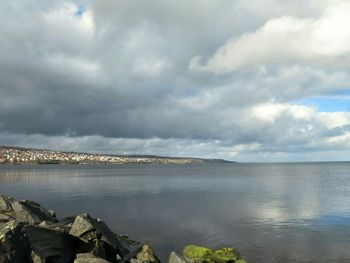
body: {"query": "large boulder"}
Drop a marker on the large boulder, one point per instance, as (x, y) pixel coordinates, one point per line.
(31, 212)
(101, 240)
(89, 229)
(52, 244)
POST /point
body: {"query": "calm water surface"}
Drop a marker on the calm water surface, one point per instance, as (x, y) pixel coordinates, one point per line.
(270, 212)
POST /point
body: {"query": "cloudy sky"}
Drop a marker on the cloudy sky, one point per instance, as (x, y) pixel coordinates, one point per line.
(259, 80)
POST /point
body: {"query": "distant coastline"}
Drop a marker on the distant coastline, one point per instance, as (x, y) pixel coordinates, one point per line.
(20, 155)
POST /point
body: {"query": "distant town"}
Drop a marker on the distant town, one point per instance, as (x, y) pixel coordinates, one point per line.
(18, 155)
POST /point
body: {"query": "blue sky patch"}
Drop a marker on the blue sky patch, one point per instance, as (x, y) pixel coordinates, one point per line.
(80, 11)
(328, 104)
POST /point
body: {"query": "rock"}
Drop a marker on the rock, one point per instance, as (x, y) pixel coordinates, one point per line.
(6, 216)
(175, 258)
(6, 211)
(14, 246)
(67, 221)
(31, 212)
(147, 255)
(31, 233)
(88, 229)
(55, 226)
(52, 213)
(225, 255)
(193, 253)
(5, 203)
(126, 245)
(51, 245)
(89, 258)
(131, 256)
(197, 254)
(101, 239)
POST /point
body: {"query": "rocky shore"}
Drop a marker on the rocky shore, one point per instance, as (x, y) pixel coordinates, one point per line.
(31, 233)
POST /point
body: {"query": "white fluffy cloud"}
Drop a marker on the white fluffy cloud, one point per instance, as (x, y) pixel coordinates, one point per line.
(285, 39)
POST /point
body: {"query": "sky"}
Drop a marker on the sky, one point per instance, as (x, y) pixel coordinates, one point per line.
(250, 81)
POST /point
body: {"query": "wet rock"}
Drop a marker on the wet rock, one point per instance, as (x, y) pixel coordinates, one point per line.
(89, 258)
(102, 241)
(127, 246)
(14, 246)
(175, 258)
(88, 229)
(31, 212)
(51, 244)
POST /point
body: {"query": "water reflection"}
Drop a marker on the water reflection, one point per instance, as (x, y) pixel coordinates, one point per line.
(273, 213)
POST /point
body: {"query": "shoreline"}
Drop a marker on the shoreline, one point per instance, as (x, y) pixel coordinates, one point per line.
(14, 155)
(32, 233)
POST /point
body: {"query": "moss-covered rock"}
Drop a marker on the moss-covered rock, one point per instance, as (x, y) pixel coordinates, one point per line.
(225, 255)
(193, 251)
(198, 254)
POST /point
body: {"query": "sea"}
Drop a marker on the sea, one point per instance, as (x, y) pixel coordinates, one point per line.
(275, 212)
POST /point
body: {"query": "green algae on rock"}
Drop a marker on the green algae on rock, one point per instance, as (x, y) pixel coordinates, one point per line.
(198, 254)
(193, 252)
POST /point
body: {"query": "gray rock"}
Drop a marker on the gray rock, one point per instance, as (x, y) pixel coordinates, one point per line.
(89, 229)
(6, 216)
(141, 255)
(97, 235)
(31, 233)
(5, 203)
(89, 258)
(55, 226)
(51, 245)
(175, 258)
(6, 211)
(147, 255)
(31, 212)
(130, 256)
(126, 245)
